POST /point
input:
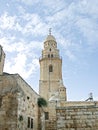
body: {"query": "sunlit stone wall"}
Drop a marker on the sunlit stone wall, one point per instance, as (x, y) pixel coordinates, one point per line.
(77, 116)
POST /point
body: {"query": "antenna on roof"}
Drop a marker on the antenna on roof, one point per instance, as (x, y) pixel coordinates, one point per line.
(90, 97)
(49, 31)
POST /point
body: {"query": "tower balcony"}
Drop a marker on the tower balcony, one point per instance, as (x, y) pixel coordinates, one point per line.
(50, 57)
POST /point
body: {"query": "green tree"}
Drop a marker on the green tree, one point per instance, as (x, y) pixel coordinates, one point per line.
(41, 102)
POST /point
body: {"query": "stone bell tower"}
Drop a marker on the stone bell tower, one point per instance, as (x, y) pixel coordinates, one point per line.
(2, 58)
(51, 70)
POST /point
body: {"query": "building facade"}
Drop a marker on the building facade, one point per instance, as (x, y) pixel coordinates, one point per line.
(18, 101)
(51, 82)
(60, 113)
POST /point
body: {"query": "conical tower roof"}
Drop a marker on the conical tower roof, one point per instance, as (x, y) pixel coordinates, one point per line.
(50, 38)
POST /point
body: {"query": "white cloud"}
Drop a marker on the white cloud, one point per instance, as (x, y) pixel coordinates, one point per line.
(7, 43)
(26, 23)
(7, 22)
(62, 20)
(34, 24)
(18, 27)
(20, 52)
(17, 63)
(20, 65)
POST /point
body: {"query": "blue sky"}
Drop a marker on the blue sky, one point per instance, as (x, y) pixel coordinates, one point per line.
(24, 25)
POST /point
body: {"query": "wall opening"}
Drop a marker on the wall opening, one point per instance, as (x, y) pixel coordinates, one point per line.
(0, 101)
(31, 122)
(28, 122)
(51, 55)
(48, 55)
(46, 115)
(50, 68)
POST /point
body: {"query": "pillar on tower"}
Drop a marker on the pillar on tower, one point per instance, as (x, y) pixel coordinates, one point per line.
(2, 59)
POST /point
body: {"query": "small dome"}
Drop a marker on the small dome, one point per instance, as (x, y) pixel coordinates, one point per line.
(50, 38)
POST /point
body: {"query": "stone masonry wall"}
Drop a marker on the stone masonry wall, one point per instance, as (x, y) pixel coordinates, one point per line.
(27, 106)
(78, 117)
(8, 112)
(18, 104)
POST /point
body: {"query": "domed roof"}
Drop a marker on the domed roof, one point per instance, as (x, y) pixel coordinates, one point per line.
(50, 38)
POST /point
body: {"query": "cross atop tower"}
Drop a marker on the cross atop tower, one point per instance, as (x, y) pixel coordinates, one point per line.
(49, 31)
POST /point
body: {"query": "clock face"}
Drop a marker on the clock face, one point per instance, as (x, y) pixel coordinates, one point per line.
(46, 45)
(49, 44)
(53, 44)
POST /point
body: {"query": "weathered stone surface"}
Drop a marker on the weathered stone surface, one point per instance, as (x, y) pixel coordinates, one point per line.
(74, 117)
(18, 99)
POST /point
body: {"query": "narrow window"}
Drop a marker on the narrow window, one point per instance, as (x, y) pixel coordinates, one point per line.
(0, 101)
(6, 128)
(28, 122)
(50, 68)
(51, 55)
(48, 55)
(31, 123)
(46, 115)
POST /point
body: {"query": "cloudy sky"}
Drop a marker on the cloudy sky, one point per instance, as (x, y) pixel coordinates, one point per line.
(24, 25)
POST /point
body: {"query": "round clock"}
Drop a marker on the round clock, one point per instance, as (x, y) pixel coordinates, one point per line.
(53, 44)
(46, 44)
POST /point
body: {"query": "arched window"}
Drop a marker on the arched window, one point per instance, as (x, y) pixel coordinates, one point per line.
(50, 68)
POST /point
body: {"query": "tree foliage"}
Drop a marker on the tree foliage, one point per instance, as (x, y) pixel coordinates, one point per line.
(41, 102)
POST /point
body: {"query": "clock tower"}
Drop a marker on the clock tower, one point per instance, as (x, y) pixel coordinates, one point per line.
(2, 58)
(50, 84)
